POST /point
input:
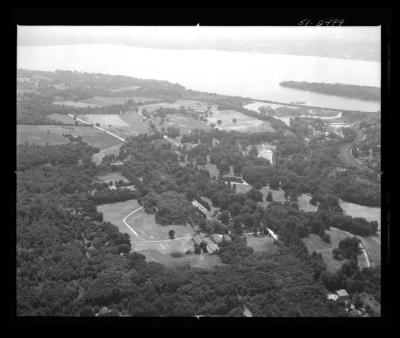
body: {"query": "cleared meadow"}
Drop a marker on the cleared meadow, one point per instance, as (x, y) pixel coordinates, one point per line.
(315, 243)
(243, 122)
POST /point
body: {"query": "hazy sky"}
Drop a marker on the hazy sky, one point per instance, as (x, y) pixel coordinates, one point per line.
(39, 35)
(357, 42)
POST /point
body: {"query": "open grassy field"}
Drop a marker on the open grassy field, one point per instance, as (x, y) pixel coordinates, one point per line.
(356, 210)
(61, 118)
(136, 124)
(315, 243)
(243, 123)
(184, 123)
(105, 120)
(91, 135)
(38, 135)
(115, 213)
(264, 243)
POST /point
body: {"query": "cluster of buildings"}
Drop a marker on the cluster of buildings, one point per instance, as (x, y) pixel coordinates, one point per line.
(211, 241)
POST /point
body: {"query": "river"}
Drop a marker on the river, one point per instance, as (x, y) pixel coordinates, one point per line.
(255, 75)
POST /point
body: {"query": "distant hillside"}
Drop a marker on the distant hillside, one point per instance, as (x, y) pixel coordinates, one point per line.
(367, 93)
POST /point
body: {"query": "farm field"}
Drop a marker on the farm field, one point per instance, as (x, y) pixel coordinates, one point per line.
(105, 120)
(37, 135)
(53, 135)
(315, 243)
(356, 210)
(243, 123)
(65, 119)
(91, 135)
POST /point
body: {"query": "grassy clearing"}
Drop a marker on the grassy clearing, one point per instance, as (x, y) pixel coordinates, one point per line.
(113, 150)
(105, 120)
(145, 225)
(243, 123)
(91, 135)
(135, 122)
(315, 243)
(115, 213)
(37, 135)
(265, 243)
(65, 119)
(203, 261)
(184, 123)
(372, 245)
(356, 210)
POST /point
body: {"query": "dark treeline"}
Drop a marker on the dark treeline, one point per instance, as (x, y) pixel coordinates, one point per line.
(353, 91)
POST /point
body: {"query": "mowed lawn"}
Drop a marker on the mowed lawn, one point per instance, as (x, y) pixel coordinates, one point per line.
(315, 243)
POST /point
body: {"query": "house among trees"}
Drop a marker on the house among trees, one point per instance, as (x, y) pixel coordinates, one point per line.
(200, 207)
(342, 294)
(197, 240)
(332, 296)
(217, 238)
(226, 238)
(211, 246)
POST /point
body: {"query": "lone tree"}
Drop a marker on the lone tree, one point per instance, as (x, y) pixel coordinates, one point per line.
(234, 120)
(269, 197)
(219, 122)
(171, 234)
